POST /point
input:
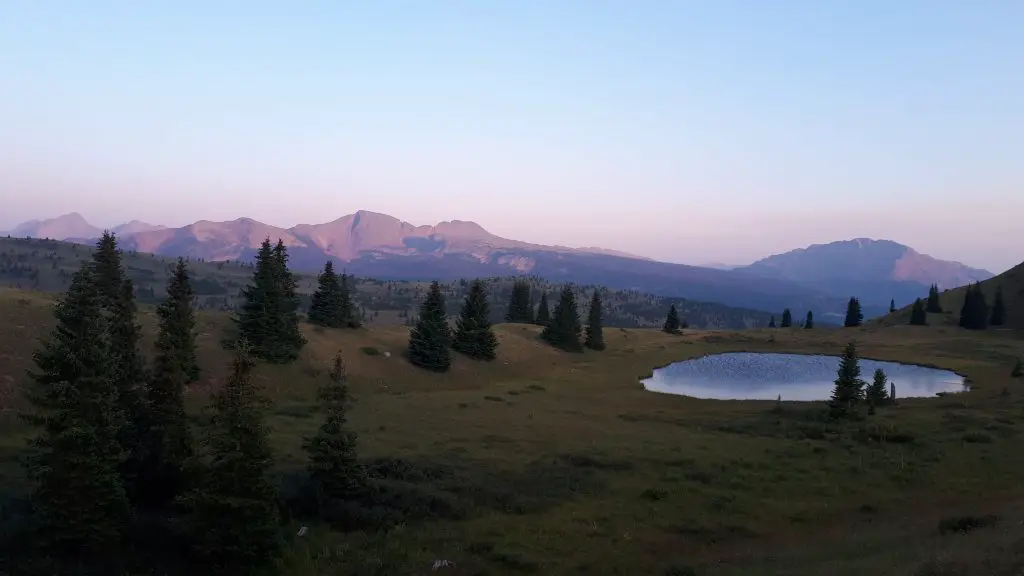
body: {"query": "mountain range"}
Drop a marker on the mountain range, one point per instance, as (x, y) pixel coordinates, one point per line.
(819, 278)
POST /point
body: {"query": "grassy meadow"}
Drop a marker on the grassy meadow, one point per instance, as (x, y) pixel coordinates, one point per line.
(544, 462)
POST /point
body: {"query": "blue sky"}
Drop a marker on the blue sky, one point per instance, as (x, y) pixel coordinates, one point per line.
(686, 131)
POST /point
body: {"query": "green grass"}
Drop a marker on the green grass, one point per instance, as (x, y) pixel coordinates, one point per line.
(549, 463)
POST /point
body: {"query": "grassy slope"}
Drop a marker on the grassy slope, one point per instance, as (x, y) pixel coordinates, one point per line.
(571, 468)
(1012, 283)
(47, 265)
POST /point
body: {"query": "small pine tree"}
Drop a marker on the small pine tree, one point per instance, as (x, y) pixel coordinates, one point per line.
(771, 322)
(854, 316)
(878, 392)
(892, 306)
(79, 504)
(473, 334)
(918, 316)
(289, 340)
(268, 318)
(563, 331)
(430, 339)
(232, 513)
(998, 309)
(595, 333)
(325, 304)
(346, 306)
(543, 310)
(671, 321)
(787, 319)
(933, 306)
(849, 388)
(1018, 370)
(520, 311)
(809, 322)
(334, 468)
(974, 313)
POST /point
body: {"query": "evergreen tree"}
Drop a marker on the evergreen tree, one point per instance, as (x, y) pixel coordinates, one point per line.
(595, 333)
(232, 513)
(334, 468)
(289, 341)
(849, 388)
(892, 306)
(854, 316)
(998, 308)
(563, 331)
(268, 319)
(543, 310)
(349, 317)
(809, 322)
(169, 442)
(671, 321)
(1018, 370)
(128, 370)
(520, 311)
(974, 313)
(771, 322)
(325, 308)
(79, 504)
(878, 392)
(787, 319)
(177, 316)
(430, 339)
(473, 334)
(918, 316)
(933, 305)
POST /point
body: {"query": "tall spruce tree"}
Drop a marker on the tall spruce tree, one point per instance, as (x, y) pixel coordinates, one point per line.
(787, 319)
(998, 308)
(169, 441)
(473, 334)
(325, 307)
(974, 313)
(543, 310)
(809, 322)
(892, 305)
(268, 318)
(520, 310)
(232, 513)
(349, 315)
(1018, 370)
(854, 315)
(933, 306)
(430, 339)
(334, 467)
(671, 321)
(177, 316)
(877, 393)
(563, 331)
(849, 388)
(78, 501)
(128, 370)
(595, 332)
(918, 316)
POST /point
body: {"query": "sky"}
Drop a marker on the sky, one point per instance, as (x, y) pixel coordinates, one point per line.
(687, 131)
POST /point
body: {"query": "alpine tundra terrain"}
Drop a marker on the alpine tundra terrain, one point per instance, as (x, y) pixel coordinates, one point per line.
(376, 449)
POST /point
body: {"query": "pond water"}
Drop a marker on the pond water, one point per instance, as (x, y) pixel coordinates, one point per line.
(757, 376)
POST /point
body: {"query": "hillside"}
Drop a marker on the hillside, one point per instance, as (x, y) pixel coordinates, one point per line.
(1012, 283)
(380, 246)
(534, 463)
(47, 265)
(873, 270)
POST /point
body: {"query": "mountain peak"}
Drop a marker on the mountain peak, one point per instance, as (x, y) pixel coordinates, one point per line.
(70, 225)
